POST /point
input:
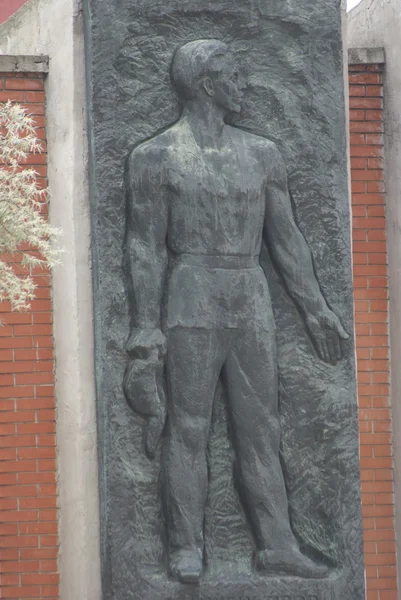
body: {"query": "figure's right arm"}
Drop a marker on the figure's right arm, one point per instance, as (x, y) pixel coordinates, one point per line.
(145, 249)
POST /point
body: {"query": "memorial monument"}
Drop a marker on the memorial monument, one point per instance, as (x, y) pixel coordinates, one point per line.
(223, 302)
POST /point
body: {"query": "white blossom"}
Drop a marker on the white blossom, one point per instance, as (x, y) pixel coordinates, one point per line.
(24, 231)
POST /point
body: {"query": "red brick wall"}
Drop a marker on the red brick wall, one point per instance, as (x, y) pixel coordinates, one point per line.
(28, 499)
(8, 7)
(372, 340)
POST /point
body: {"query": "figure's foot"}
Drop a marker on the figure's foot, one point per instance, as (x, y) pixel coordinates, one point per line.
(186, 565)
(289, 562)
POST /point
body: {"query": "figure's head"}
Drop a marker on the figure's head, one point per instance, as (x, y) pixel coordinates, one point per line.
(206, 69)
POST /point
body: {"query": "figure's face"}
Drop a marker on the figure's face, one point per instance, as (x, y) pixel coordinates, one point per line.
(228, 86)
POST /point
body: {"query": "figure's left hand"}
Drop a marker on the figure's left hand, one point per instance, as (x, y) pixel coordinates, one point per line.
(326, 333)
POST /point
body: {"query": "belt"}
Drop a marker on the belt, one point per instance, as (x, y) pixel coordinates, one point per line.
(226, 261)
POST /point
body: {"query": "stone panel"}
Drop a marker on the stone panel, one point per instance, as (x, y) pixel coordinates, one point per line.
(291, 58)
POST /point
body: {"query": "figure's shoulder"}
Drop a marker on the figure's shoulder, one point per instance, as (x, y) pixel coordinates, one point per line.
(253, 140)
(257, 143)
(152, 152)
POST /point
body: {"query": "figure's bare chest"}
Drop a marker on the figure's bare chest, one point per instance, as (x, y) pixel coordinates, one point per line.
(224, 174)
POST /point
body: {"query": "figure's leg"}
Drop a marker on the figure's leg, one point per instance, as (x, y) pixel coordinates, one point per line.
(194, 362)
(251, 378)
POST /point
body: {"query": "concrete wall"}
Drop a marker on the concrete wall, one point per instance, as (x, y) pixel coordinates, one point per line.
(55, 28)
(377, 23)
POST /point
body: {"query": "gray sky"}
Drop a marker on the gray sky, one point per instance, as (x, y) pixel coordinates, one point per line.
(352, 3)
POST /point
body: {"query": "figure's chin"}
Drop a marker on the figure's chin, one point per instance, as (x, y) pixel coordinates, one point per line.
(235, 109)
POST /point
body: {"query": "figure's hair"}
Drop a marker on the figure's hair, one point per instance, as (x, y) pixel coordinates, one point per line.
(193, 61)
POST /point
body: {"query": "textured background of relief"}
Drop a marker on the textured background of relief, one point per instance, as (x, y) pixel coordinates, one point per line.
(291, 53)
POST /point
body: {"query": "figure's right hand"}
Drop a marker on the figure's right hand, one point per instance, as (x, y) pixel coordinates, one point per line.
(144, 383)
(143, 342)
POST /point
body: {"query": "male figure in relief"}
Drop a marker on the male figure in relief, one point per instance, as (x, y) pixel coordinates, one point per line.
(202, 196)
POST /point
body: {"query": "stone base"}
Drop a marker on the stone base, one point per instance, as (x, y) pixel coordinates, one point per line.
(230, 584)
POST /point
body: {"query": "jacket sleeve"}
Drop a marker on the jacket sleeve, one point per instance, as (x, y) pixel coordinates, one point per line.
(145, 241)
(286, 244)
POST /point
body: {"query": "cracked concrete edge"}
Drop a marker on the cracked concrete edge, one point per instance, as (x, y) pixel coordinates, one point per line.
(344, 35)
(366, 56)
(24, 64)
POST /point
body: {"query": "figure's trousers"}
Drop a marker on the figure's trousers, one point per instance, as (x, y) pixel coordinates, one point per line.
(247, 361)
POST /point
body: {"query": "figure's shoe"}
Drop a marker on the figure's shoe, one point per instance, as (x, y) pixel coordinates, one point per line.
(186, 565)
(289, 562)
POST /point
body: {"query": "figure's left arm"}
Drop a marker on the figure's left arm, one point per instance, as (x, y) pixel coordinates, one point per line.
(293, 259)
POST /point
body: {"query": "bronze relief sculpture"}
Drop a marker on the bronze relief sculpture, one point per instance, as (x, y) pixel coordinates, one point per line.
(201, 197)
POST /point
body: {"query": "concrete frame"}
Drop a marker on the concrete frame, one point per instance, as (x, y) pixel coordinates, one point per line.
(376, 24)
(54, 29)
(24, 64)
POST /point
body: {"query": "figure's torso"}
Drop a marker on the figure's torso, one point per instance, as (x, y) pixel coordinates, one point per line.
(216, 196)
(216, 207)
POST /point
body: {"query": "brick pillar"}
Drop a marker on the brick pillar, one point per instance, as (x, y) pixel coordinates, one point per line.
(28, 495)
(372, 336)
